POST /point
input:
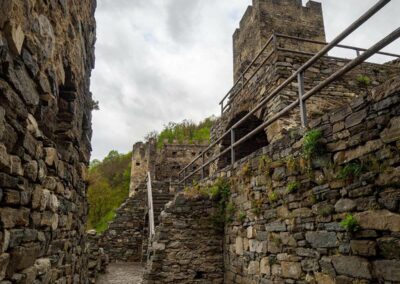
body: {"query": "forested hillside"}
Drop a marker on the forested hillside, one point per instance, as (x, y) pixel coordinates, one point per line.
(109, 179)
(108, 188)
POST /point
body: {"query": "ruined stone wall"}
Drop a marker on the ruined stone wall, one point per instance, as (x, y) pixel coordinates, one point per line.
(264, 17)
(46, 57)
(124, 238)
(97, 258)
(287, 208)
(173, 157)
(187, 247)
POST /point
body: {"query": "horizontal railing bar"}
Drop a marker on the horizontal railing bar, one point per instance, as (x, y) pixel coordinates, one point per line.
(352, 64)
(339, 45)
(357, 61)
(373, 10)
(311, 54)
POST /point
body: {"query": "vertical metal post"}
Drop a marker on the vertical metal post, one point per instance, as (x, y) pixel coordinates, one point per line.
(232, 148)
(150, 205)
(275, 41)
(358, 52)
(302, 105)
(202, 165)
(242, 82)
(222, 107)
(184, 177)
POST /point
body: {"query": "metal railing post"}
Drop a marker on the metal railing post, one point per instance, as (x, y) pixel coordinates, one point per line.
(150, 205)
(232, 148)
(222, 107)
(184, 177)
(358, 52)
(302, 104)
(275, 41)
(202, 165)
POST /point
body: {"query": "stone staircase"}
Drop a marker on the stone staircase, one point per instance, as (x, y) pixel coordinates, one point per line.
(159, 201)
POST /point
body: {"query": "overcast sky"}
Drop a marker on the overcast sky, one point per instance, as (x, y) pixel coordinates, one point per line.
(167, 60)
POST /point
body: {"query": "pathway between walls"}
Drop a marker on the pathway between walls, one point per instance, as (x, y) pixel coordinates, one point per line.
(122, 273)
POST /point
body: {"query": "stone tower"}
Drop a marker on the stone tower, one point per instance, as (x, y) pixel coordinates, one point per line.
(265, 17)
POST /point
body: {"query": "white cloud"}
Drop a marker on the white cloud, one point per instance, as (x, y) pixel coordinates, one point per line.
(166, 60)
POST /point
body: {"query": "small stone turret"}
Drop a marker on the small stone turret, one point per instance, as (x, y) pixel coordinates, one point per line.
(265, 17)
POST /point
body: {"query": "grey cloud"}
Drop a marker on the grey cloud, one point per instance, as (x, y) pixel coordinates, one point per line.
(166, 60)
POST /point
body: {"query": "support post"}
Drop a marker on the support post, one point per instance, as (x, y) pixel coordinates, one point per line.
(202, 165)
(302, 105)
(222, 108)
(232, 148)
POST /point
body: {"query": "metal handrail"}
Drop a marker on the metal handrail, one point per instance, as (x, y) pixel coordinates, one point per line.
(299, 74)
(150, 206)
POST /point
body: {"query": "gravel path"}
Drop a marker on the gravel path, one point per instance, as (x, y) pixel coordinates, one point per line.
(122, 273)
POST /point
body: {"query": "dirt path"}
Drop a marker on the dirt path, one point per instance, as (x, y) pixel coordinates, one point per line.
(122, 273)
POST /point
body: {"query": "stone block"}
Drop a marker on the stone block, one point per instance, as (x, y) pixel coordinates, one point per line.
(239, 246)
(355, 118)
(389, 247)
(322, 239)
(15, 37)
(4, 260)
(388, 270)
(379, 220)
(253, 268)
(363, 247)
(345, 205)
(352, 266)
(392, 132)
(11, 217)
(291, 270)
(265, 267)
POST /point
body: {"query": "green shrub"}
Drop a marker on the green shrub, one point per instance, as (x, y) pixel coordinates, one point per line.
(242, 216)
(185, 130)
(256, 206)
(293, 186)
(272, 196)
(363, 80)
(350, 170)
(350, 224)
(312, 145)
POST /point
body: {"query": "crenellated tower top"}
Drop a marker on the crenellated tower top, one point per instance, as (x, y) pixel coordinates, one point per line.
(265, 17)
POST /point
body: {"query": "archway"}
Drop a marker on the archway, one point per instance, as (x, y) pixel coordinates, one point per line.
(246, 148)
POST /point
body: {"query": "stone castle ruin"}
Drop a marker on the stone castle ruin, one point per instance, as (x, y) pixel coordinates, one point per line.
(301, 201)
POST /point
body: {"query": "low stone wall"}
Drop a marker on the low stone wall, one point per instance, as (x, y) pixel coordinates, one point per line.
(97, 258)
(187, 248)
(123, 240)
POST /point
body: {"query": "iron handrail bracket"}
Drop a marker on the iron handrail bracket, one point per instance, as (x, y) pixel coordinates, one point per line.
(299, 75)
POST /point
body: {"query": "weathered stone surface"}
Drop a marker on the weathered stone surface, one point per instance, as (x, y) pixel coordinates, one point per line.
(389, 247)
(15, 37)
(345, 205)
(322, 239)
(379, 220)
(291, 269)
(4, 259)
(389, 270)
(352, 266)
(363, 248)
(392, 133)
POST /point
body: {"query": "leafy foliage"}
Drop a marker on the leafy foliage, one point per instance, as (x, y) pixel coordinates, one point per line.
(293, 186)
(350, 223)
(312, 144)
(185, 130)
(350, 170)
(108, 188)
(363, 80)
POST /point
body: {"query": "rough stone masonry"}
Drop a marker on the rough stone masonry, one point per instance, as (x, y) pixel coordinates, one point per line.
(46, 58)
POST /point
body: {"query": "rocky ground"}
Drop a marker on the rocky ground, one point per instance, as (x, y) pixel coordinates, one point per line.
(122, 273)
